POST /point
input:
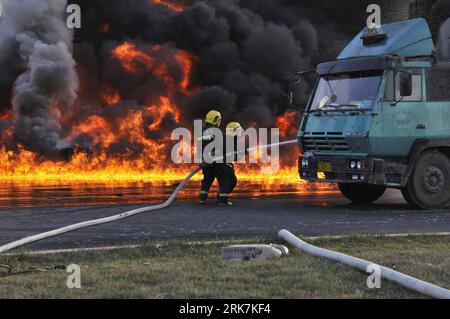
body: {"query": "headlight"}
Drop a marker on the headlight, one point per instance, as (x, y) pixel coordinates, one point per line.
(305, 163)
(356, 165)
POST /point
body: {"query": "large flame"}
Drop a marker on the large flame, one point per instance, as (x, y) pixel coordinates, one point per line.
(134, 60)
(144, 127)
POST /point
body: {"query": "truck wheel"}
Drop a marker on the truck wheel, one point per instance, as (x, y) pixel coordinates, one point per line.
(362, 193)
(429, 184)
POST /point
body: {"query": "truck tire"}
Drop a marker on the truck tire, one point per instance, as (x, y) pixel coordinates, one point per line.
(362, 193)
(428, 186)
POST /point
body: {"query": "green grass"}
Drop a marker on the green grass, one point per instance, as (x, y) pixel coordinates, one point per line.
(179, 270)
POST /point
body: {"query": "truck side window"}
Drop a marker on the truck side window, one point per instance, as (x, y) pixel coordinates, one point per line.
(438, 84)
(392, 92)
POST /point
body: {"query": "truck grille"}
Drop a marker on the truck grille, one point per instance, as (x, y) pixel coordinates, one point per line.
(325, 142)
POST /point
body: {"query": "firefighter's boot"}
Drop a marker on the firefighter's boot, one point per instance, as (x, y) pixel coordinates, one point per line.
(203, 198)
(224, 200)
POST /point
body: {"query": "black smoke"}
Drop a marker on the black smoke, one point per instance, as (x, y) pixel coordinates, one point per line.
(244, 49)
(242, 56)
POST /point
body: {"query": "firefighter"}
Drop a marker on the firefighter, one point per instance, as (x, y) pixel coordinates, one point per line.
(211, 171)
(233, 132)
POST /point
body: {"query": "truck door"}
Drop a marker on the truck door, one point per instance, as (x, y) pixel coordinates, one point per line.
(404, 118)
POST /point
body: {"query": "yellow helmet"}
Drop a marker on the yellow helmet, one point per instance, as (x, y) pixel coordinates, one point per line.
(214, 118)
(234, 129)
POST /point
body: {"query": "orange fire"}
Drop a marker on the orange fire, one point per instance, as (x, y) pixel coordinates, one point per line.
(97, 127)
(110, 96)
(134, 60)
(186, 59)
(153, 163)
(288, 124)
(158, 112)
(28, 166)
(170, 4)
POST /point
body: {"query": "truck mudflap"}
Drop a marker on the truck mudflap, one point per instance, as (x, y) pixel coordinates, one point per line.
(351, 170)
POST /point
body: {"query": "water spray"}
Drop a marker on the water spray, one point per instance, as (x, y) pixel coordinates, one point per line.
(71, 228)
(263, 147)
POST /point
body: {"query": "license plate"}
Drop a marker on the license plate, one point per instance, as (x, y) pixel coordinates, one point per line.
(325, 167)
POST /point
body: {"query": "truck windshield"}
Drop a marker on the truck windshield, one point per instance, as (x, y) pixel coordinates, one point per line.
(347, 91)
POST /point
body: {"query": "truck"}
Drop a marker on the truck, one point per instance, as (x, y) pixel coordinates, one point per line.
(379, 118)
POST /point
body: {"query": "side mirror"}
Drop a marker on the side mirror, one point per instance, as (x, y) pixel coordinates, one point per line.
(288, 91)
(295, 89)
(406, 84)
(292, 92)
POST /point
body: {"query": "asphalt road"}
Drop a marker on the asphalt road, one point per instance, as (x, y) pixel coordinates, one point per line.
(308, 216)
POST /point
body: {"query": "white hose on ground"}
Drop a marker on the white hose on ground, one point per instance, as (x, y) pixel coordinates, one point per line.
(406, 281)
(64, 230)
(95, 222)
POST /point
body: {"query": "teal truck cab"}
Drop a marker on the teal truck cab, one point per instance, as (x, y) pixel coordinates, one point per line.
(379, 118)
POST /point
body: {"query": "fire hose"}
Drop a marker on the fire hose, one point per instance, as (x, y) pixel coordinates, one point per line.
(406, 281)
(71, 228)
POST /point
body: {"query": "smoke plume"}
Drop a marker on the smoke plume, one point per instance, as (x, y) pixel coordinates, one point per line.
(41, 44)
